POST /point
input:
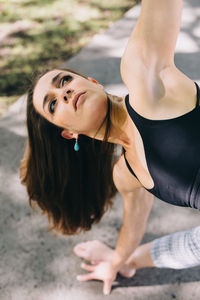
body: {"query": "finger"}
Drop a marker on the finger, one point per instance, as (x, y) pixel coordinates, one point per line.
(107, 287)
(79, 250)
(87, 267)
(85, 277)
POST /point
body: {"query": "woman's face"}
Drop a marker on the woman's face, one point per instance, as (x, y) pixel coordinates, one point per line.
(55, 96)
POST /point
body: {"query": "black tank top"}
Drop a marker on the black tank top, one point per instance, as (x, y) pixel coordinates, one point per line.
(172, 151)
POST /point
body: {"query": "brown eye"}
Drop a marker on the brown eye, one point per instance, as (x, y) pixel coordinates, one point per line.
(66, 79)
(52, 105)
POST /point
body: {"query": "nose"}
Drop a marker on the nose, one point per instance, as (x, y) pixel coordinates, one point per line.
(67, 94)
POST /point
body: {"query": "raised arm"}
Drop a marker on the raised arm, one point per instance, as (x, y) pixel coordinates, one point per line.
(158, 27)
(155, 34)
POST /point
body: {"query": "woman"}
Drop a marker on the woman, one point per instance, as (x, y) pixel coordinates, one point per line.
(66, 164)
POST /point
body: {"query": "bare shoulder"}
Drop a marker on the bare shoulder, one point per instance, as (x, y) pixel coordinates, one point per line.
(142, 76)
(124, 181)
(158, 93)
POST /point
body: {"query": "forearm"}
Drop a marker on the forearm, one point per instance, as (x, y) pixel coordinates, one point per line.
(136, 214)
(126, 244)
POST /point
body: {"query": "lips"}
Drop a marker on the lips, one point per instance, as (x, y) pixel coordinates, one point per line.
(75, 99)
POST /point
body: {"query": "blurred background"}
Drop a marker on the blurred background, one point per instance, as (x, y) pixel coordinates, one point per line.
(38, 34)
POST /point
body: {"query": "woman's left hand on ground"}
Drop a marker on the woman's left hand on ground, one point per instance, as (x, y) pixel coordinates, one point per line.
(104, 271)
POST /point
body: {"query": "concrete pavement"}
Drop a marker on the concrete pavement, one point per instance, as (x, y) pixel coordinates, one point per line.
(35, 265)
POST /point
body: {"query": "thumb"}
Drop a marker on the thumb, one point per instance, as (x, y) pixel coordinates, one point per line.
(107, 287)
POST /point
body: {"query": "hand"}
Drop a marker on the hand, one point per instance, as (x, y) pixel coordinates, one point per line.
(104, 271)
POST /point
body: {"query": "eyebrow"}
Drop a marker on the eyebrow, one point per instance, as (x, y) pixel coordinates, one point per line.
(54, 80)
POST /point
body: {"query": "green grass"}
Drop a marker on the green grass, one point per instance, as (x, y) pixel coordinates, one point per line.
(44, 33)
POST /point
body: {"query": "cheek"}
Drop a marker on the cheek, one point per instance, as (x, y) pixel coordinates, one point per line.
(96, 112)
(63, 118)
(99, 107)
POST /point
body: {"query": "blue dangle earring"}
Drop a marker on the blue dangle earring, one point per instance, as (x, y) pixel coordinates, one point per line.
(76, 146)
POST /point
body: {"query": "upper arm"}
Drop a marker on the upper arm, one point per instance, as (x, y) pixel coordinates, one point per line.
(137, 201)
(155, 34)
(124, 181)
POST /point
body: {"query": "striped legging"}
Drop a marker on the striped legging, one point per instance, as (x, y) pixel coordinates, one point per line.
(177, 251)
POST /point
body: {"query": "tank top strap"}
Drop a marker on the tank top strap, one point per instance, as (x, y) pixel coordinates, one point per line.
(198, 94)
(128, 166)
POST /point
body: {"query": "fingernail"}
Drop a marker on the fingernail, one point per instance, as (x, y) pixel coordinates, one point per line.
(78, 277)
(106, 293)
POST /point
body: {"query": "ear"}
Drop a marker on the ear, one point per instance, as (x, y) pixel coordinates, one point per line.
(67, 135)
(93, 80)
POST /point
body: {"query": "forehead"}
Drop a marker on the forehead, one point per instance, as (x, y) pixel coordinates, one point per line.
(43, 85)
(46, 78)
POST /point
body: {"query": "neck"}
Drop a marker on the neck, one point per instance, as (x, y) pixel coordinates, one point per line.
(118, 119)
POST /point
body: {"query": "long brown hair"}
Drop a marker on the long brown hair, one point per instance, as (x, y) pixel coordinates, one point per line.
(73, 188)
